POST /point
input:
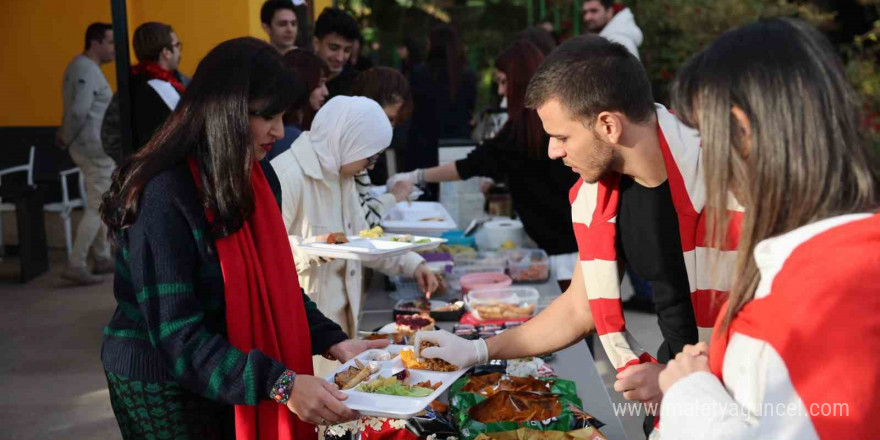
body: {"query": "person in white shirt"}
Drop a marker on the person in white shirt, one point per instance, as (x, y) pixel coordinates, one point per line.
(319, 197)
(86, 94)
(614, 22)
(794, 355)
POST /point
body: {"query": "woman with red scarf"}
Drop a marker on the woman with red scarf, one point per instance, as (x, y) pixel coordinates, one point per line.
(795, 354)
(212, 336)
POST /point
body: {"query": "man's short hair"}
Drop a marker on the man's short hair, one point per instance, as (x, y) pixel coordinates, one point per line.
(267, 12)
(605, 3)
(333, 20)
(96, 32)
(589, 75)
(150, 39)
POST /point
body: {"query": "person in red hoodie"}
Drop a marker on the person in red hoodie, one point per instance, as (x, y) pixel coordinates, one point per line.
(794, 354)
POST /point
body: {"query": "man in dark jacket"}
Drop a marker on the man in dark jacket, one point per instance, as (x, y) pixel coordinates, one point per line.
(156, 85)
(335, 35)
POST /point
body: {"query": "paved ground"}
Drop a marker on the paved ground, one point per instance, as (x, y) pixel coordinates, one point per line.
(51, 377)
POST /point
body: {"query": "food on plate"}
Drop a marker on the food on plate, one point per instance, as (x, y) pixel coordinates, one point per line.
(397, 338)
(516, 406)
(493, 383)
(409, 239)
(411, 361)
(349, 378)
(494, 311)
(376, 232)
(458, 250)
(432, 219)
(395, 387)
(414, 323)
(420, 305)
(450, 307)
(337, 238)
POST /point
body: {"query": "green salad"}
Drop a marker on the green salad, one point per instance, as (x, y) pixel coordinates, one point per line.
(394, 387)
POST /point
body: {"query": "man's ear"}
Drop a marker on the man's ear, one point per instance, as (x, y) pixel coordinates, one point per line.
(316, 43)
(609, 126)
(266, 28)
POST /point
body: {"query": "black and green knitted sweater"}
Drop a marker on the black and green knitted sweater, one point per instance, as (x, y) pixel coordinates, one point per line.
(170, 321)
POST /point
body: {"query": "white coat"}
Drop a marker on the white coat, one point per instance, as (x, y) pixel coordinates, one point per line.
(313, 204)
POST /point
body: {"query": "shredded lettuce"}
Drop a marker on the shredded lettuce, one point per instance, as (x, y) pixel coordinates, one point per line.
(393, 387)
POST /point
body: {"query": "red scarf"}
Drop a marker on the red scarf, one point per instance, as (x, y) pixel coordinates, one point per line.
(264, 308)
(152, 70)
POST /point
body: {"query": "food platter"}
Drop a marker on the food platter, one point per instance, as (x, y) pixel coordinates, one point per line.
(392, 406)
(370, 249)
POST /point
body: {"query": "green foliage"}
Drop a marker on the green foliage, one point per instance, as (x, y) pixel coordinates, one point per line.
(675, 30)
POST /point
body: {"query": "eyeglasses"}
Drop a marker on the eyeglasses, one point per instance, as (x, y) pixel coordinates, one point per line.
(373, 160)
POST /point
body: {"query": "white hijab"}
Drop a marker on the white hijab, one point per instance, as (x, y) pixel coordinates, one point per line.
(348, 129)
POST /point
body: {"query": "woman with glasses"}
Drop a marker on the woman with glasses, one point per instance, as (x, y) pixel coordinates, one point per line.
(319, 197)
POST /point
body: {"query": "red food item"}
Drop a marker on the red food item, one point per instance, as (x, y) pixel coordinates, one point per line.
(414, 323)
(337, 238)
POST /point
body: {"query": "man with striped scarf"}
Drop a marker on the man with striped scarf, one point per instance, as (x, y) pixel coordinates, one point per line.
(639, 205)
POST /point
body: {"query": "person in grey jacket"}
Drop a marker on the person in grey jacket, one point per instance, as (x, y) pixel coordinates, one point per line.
(86, 94)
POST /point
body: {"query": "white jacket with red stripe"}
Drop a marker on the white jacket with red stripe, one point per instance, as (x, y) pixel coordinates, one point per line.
(594, 216)
(799, 361)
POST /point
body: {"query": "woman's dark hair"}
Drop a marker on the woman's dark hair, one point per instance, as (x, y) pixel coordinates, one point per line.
(311, 69)
(519, 62)
(210, 125)
(385, 86)
(445, 52)
(807, 160)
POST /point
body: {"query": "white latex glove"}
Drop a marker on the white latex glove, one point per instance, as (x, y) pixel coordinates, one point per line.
(453, 349)
(402, 177)
(401, 190)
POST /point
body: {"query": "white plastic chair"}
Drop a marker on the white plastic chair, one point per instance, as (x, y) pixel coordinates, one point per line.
(10, 207)
(66, 205)
(63, 208)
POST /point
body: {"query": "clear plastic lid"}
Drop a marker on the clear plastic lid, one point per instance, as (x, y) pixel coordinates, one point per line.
(503, 303)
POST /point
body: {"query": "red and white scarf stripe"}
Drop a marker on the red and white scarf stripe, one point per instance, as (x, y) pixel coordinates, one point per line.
(594, 216)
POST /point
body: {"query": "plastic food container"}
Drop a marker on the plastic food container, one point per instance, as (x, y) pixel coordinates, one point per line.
(528, 265)
(484, 280)
(489, 259)
(503, 303)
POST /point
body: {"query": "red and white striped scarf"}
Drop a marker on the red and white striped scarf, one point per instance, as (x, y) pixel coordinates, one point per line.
(594, 215)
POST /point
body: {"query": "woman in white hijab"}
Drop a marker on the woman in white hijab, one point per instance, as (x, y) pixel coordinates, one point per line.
(319, 197)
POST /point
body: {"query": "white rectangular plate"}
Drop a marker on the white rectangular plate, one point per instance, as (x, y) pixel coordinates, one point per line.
(395, 407)
(408, 218)
(369, 249)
